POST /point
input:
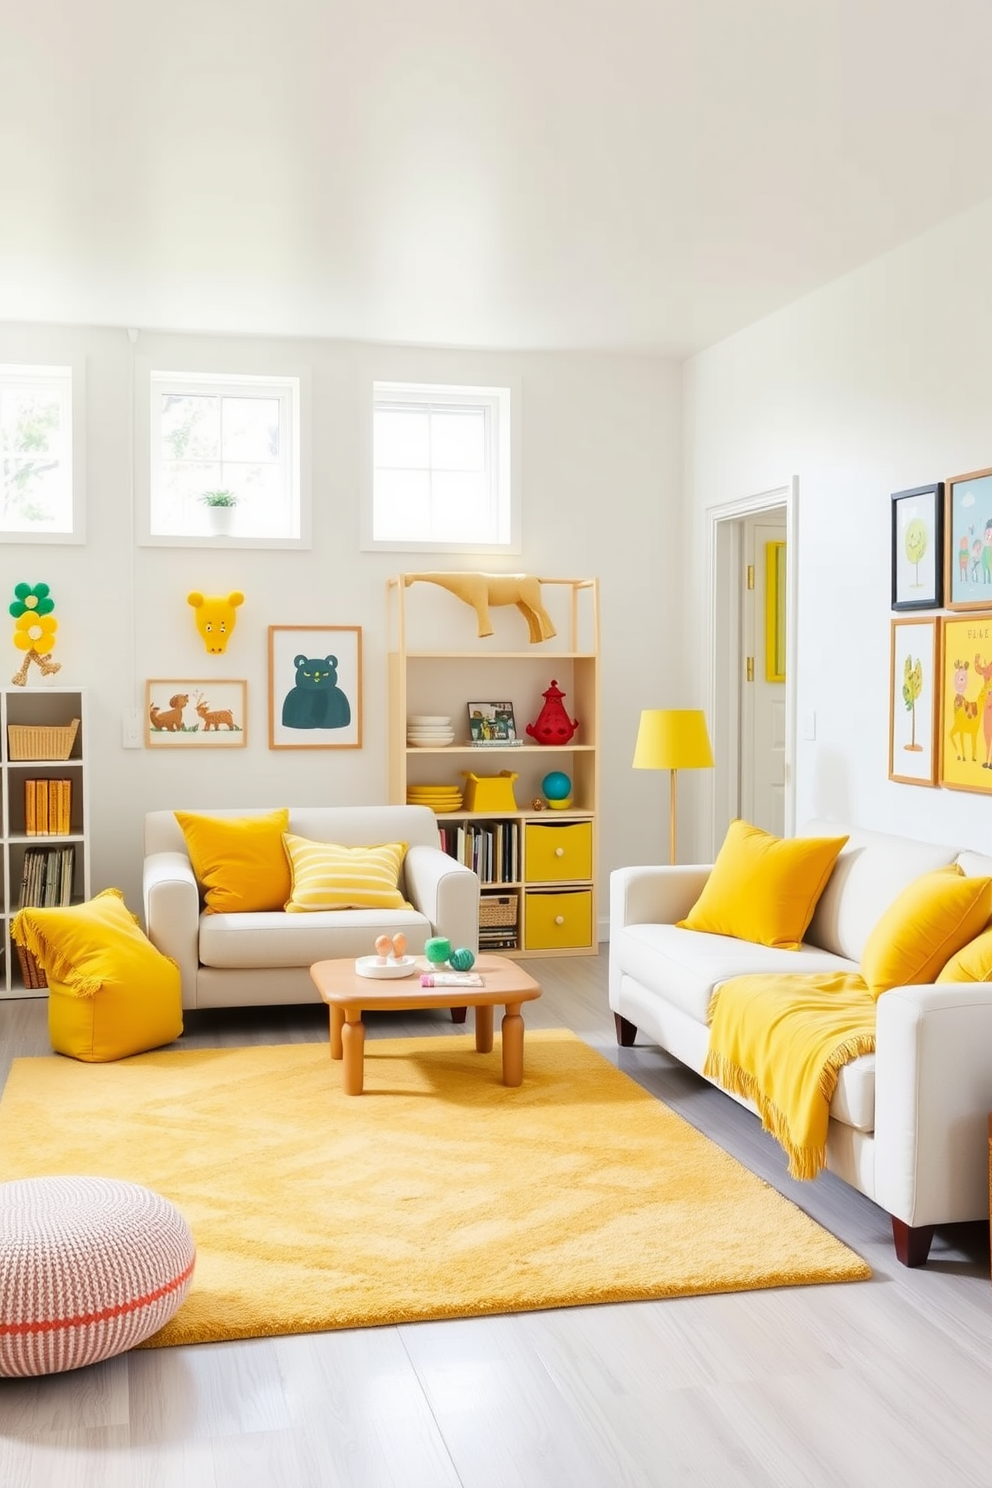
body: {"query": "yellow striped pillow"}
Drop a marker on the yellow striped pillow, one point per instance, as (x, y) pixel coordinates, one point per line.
(329, 876)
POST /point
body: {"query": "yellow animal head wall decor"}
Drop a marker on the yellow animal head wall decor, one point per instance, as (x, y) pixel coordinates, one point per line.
(216, 615)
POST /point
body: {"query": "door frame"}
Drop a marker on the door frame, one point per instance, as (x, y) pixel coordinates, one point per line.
(724, 527)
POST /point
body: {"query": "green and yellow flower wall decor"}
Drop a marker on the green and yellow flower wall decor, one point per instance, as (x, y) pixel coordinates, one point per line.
(34, 630)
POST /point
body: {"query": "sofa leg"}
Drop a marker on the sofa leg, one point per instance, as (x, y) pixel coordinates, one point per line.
(912, 1243)
(626, 1031)
(458, 1015)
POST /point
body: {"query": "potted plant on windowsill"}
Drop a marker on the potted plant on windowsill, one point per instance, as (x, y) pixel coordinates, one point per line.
(220, 510)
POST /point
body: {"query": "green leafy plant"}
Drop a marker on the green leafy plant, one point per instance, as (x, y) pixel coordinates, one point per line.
(219, 498)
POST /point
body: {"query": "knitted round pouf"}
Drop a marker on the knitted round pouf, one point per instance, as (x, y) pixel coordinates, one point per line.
(88, 1268)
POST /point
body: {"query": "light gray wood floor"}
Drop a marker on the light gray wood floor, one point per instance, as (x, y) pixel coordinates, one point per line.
(886, 1382)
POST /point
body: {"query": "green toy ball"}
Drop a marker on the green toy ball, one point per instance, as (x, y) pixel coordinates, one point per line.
(437, 950)
(462, 960)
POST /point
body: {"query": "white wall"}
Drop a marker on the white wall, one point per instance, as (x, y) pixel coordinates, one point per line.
(601, 478)
(879, 382)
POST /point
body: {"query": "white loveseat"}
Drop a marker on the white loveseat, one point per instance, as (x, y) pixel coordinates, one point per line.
(909, 1123)
(240, 960)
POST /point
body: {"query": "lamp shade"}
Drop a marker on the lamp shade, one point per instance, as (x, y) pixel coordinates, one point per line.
(672, 739)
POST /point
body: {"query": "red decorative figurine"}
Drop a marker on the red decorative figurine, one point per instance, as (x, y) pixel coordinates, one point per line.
(553, 725)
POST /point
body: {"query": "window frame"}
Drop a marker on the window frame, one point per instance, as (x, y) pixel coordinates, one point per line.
(72, 369)
(292, 388)
(504, 399)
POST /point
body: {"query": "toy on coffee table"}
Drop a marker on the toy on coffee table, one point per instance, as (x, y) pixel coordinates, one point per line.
(390, 959)
(439, 953)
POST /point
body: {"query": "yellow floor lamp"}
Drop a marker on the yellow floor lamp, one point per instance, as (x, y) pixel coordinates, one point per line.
(672, 739)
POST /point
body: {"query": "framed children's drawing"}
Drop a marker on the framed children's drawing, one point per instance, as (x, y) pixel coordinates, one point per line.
(966, 703)
(917, 548)
(914, 700)
(315, 687)
(182, 714)
(968, 541)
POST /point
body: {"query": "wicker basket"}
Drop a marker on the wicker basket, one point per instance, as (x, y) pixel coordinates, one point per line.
(38, 741)
(498, 909)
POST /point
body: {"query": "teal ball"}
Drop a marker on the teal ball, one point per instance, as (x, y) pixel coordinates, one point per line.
(556, 786)
(462, 960)
(437, 950)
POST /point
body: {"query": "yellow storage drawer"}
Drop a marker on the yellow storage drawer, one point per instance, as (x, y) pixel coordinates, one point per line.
(556, 852)
(558, 922)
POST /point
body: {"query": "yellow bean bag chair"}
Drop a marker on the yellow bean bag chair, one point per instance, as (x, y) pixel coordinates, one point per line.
(110, 992)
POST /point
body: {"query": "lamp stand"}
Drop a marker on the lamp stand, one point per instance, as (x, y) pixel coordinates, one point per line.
(672, 833)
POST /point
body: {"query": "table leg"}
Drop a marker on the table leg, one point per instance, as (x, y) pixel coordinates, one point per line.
(513, 1045)
(484, 1028)
(337, 1021)
(353, 1044)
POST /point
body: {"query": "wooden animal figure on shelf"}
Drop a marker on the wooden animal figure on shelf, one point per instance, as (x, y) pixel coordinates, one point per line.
(480, 590)
(34, 630)
(216, 616)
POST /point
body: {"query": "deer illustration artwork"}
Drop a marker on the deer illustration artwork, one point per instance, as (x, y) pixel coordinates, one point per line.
(480, 590)
(170, 719)
(968, 713)
(213, 719)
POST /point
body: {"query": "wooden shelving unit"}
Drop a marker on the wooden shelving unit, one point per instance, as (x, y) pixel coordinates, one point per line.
(39, 710)
(437, 665)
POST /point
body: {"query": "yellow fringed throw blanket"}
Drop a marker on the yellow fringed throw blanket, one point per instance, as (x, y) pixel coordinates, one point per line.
(781, 1041)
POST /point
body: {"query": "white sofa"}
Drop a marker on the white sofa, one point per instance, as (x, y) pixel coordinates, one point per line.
(240, 960)
(909, 1123)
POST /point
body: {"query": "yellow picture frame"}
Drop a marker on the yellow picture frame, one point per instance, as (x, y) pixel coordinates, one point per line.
(966, 703)
(775, 566)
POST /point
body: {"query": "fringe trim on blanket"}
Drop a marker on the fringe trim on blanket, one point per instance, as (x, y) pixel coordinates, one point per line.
(804, 1162)
(55, 965)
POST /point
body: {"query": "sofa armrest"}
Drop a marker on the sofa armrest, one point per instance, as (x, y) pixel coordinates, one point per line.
(933, 1097)
(655, 895)
(446, 892)
(172, 914)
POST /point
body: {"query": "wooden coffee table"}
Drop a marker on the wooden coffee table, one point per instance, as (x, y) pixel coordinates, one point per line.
(346, 994)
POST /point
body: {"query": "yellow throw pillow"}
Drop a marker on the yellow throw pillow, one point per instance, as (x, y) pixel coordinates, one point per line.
(111, 993)
(924, 927)
(764, 888)
(238, 860)
(972, 963)
(328, 876)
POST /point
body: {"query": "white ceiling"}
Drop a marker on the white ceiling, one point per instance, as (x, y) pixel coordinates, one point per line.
(640, 175)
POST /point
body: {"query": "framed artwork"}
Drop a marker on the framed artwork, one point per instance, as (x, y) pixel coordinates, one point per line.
(181, 713)
(966, 703)
(914, 699)
(918, 548)
(968, 544)
(315, 687)
(491, 723)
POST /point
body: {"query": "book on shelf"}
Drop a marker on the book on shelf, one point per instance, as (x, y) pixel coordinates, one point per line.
(47, 807)
(496, 743)
(46, 877)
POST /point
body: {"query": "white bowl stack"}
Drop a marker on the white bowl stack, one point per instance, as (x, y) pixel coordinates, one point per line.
(429, 730)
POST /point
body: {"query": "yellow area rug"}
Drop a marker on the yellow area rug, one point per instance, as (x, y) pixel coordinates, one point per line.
(439, 1193)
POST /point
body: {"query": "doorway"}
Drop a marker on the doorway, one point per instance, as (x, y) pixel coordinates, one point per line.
(752, 711)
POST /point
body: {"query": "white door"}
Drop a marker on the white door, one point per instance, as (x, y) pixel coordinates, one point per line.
(762, 684)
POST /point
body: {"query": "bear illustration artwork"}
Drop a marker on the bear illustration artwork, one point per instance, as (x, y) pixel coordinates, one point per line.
(316, 701)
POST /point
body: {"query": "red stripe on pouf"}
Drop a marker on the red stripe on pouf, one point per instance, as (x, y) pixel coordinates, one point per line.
(104, 1265)
(85, 1319)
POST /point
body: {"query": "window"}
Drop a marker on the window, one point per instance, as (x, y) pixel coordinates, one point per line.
(441, 474)
(39, 499)
(238, 435)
